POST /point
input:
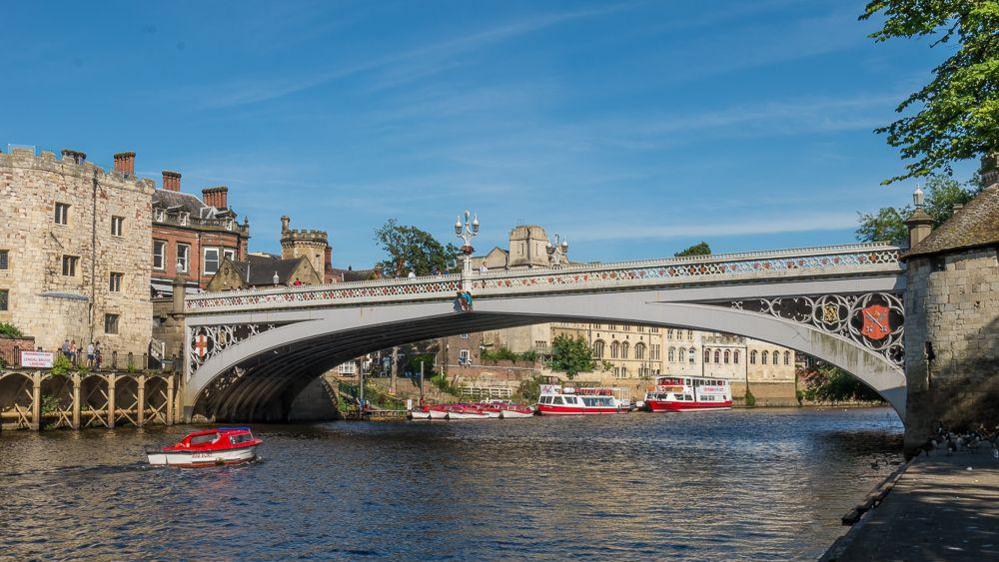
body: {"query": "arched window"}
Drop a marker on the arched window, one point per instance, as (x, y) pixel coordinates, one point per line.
(728, 356)
(639, 351)
(624, 372)
(672, 355)
(766, 356)
(693, 356)
(669, 334)
(735, 357)
(598, 349)
(624, 350)
(776, 356)
(717, 356)
(787, 357)
(707, 355)
(682, 355)
(615, 350)
(752, 357)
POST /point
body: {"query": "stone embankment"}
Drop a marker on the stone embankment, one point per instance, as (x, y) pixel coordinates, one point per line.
(937, 507)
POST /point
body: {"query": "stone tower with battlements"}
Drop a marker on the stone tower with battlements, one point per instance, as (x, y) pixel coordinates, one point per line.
(310, 244)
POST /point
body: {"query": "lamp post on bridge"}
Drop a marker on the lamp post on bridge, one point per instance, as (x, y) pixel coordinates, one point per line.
(466, 231)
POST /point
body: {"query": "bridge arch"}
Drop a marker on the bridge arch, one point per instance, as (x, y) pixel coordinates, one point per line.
(258, 377)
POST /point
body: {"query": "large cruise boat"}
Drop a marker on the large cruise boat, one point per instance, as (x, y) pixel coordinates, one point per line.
(679, 394)
(558, 400)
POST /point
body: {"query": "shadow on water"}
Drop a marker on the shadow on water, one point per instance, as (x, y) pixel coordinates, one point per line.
(765, 484)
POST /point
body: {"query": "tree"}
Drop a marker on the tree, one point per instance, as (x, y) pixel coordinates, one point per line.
(571, 356)
(957, 113)
(701, 249)
(827, 383)
(412, 249)
(942, 195)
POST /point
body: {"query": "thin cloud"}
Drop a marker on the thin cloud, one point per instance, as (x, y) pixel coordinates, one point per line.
(800, 223)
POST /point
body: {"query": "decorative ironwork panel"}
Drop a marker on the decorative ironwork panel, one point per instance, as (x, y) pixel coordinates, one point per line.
(874, 321)
(208, 341)
(401, 288)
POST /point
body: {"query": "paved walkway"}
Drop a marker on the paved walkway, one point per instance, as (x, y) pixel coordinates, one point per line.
(938, 510)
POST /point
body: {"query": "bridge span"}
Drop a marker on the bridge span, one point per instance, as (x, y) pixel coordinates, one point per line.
(249, 353)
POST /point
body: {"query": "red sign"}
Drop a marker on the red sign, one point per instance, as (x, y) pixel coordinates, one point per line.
(201, 345)
(876, 323)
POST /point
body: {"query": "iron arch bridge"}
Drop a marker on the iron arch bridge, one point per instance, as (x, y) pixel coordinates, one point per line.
(249, 353)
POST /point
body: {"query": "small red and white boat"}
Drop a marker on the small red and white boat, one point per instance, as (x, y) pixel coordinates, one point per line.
(438, 411)
(514, 411)
(556, 400)
(211, 447)
(688, 394)
(420, 413)
(466, 412)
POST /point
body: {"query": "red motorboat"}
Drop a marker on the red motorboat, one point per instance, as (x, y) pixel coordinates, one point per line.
(210, 447)
(555, 400)
(687, 394)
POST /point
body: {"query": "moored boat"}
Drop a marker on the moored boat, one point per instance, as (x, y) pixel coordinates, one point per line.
(688, 394)
(514, 411)
(556, 400)
(466, 412)
(210, 447)
(420, 413)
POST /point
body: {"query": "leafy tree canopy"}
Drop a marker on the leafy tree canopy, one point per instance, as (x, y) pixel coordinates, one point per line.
(957, 113)
(701, 249)
(571, 356)
(942, 195)
(412, 249)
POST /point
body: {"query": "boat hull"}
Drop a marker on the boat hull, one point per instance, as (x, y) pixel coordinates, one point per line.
(195, 459)
(419, 415)
(552, 410)
(669, 406)
(467, 416)
(438, 414)
(514, 414)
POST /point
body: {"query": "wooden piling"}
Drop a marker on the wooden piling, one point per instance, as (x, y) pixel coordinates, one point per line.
(36, 401)
(169, 399)
(111, 378)
(77, 382)
(141, 418)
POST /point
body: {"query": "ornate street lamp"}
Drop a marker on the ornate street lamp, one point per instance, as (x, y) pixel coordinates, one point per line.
(918, 198)
(558, 253)
(466, 231)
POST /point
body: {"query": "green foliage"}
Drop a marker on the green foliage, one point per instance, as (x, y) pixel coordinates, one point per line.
(9, 330)
(61, 365)
(571, 356)
(832, 384)
(529, 390)
(956, 115)
(444, 385)
(942, 194)
(412, 249)
(50, 404)
(750, 398)
(504, 354)
(413, 365)
(701, 249)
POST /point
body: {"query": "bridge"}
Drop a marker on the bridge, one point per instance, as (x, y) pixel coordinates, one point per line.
(249, 353)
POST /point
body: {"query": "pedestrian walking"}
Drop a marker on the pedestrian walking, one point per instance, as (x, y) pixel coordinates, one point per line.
(73, 351)
(90, 355)
(97, 356)
(65, 348)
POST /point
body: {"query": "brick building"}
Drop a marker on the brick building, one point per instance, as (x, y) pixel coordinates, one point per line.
(192, 236)
(74, 250)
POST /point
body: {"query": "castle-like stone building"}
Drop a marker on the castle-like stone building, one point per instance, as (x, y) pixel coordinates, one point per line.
(312, 245)
(74, 250)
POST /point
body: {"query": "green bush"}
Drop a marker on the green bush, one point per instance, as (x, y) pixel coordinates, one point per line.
(529, 390)
(50, 404)
(9, 330)
(750, 399)
(62, 365)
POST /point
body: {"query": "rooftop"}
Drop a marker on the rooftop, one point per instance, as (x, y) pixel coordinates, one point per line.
(974, 225)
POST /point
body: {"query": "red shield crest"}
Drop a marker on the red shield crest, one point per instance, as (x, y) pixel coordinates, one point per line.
(876, 323)
(201, 345)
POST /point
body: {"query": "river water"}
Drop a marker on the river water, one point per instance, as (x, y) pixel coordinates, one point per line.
(753, 485)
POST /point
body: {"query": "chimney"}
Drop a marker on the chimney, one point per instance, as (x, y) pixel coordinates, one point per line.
(919, 222)
(217, 197)
(74, 156)
(990, 170)
(124, 162)
(171, 180)
(285, 221)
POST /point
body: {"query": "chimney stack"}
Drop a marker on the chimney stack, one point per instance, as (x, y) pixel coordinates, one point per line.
(75, 156)
(990, 170)
(171, 180)
(124, 162)
(285, 222)
(217, 197)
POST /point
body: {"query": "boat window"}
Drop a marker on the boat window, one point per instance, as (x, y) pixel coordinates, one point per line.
(570, 399)
(241, 438)
(688, 397)
(202, 439)
(557, 400)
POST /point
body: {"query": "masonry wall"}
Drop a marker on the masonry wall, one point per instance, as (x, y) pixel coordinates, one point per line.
(51, 306)
(952, 302)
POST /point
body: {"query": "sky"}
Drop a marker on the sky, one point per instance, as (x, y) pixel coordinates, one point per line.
(633, 129)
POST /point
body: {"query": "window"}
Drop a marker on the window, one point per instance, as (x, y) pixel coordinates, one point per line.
(540, 344)
(669, 334)
(159, 254)
(717, 356)
(693, 354)
(671, 355)
(211, 260)
(61, 213)
(765, 355)
(615, 350)
(735, 357)
(752, 357)
(639, 351)
(787, 357)
(681, 355)
(69, 265)
(707, 355)
(728, 356)
(117, 225)
(183, 257)
(690, 334)
(4, 263)
(776, 356)
(656, 352)
(4, 299)
(624, 350)
(115, 284)
(229, 254)
(624, 372)
(110, 323)
(464, 357)
(598, 349)
(464, 336)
